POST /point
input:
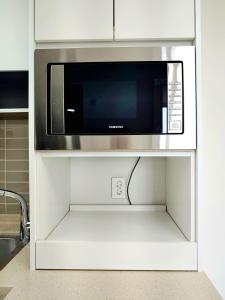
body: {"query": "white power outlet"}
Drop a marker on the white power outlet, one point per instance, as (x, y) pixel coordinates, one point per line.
(118, 188)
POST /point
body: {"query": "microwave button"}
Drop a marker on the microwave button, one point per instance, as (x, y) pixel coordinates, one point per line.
(174, 118)
(175, 83)
(175, 125)
(175, 95)
(177, 112)
(172, 99)
(175, 106)
(174, 89)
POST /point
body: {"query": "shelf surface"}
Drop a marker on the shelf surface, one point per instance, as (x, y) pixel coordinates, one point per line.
(117, 226)
(115, 153)
(116, 238)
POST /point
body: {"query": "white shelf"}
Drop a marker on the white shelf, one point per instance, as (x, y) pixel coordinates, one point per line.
(117, 237)
(121, 225)
(79, 153)
(14, 110)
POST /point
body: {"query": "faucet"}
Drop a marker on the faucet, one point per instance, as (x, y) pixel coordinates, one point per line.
(24, 221)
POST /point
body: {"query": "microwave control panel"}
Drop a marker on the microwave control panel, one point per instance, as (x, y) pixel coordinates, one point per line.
(175, 97)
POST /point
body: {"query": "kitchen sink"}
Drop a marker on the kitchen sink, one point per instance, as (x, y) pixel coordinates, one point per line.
(9, 247)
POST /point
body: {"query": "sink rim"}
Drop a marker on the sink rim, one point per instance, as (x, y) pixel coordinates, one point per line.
(19, 246)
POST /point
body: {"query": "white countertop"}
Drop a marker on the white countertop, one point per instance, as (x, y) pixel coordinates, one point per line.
(99, 285)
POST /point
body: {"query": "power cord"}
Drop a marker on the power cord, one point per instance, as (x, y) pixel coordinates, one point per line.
(128, 184)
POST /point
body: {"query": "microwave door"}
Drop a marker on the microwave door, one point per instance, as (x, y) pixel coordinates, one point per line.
(115, 98)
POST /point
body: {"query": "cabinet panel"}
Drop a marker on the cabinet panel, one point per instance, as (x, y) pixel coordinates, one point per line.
(154, 19)
(57, 20)
(14, 35)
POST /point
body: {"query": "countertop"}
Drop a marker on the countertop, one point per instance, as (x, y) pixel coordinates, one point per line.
(99, 285)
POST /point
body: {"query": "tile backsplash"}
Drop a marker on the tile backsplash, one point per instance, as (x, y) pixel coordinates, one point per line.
(14, 163)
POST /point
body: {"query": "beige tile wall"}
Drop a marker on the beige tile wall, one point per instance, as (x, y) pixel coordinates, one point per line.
(13, 162)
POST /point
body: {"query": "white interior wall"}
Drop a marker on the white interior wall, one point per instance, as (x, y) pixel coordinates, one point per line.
(180, 201)
(211, 142)
(91, 180)
(53, 193)
(156, 180)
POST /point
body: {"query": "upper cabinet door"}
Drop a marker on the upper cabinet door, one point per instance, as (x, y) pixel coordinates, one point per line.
(13, 35)
(69, 20)
(154, 19)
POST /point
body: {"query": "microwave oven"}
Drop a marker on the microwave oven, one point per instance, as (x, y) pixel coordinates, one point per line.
(121, 98)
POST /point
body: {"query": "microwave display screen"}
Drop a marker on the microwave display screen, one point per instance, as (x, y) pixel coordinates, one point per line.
(100, 98)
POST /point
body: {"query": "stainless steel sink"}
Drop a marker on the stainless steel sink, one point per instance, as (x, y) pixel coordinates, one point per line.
(9, 247)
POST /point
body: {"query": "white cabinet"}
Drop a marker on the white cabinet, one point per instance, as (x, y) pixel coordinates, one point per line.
(14, 35)
(211, 145)
(57, 20)
(72, 20)
(88, 229)
(154, 19)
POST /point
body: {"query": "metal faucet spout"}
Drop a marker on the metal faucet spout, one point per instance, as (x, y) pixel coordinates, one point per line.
(24, 221)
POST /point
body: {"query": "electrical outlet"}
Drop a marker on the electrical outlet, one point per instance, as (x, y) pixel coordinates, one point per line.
(118, 188)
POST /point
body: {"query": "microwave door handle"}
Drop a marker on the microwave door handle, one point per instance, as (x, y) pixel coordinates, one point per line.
(57, 99)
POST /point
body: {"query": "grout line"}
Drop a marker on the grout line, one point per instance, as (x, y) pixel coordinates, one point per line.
(11, 127)
(20, 124)
(14, 149)
(17, 181)
(5, 168)
(11, 203)
(14, 138)
(16, 171)
(18, 149)
(21, 193)
(19, 160)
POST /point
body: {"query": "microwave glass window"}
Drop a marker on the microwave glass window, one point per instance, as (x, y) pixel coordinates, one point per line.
(107, 99)
(115, 98)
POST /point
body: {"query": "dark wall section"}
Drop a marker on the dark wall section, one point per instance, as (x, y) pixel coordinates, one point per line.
(14, 89)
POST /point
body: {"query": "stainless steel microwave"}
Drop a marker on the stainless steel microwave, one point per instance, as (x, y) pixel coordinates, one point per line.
(121, 98)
